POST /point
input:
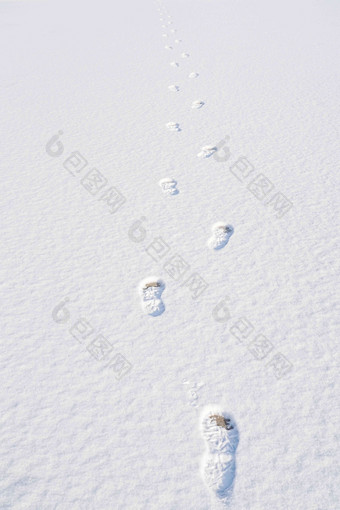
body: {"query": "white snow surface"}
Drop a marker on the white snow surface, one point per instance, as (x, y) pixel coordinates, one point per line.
(100, 401)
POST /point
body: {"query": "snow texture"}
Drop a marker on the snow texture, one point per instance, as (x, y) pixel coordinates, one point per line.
(104, 376)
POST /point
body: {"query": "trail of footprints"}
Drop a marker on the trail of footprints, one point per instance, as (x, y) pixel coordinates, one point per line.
(218, 429)
(151, 290)
(197, 104)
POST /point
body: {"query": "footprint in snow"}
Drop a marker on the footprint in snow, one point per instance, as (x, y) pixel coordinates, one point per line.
(185, 55)
(173, 126)
(193, 75)
(173, 88)
(173, 30)
(221, 236)
(193, 391)
(197, 104)
(174, 64)
(150, 291)
(164, 35)
(168, 47)
(177, 41)
(218, 466)
(168, 186)
(207, 151)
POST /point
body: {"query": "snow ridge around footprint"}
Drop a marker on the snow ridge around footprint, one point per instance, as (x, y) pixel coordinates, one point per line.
(173, 88)
(197, 104)
(207, 151)
(173, 126)
(168, 186)
(221, 235)
(218, 466)
(150, 291)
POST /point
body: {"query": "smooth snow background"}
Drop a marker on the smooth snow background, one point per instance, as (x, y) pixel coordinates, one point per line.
(73, 436)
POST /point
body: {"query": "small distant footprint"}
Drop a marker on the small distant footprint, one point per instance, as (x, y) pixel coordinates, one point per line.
(173, 88)
(193, 75)
(173, 126)
(173, 30)
(168, 47)
(197, 104)
(164, 35)
(193, 389)
(207, 151)
(151, 290)
(168, 186)
(185, 55)
(221, 236)
(174, 64)
(218, 464)
(177, 41)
